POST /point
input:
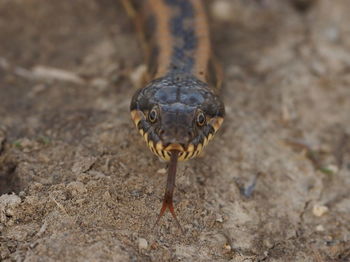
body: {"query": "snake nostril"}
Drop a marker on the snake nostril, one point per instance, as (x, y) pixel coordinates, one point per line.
(161, 132)
(190, 133)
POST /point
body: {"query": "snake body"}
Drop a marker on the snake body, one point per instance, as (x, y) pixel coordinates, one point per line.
(178, 111)
(179, 108)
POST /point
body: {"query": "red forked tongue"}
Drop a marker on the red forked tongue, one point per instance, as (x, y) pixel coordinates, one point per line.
(170, 185)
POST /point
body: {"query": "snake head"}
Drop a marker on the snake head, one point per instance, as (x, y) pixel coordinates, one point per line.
(177, 113)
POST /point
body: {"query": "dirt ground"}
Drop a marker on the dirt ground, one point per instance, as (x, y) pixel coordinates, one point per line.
(79, 184)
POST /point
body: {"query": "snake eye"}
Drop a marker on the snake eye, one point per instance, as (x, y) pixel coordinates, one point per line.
(200, 119)
(153, 115)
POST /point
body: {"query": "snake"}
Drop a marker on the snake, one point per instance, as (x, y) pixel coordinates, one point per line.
(178, 109)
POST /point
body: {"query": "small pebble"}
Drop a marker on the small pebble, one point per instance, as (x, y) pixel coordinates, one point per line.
(9, 200)
(219, 218)
(319, 210)
(222, 10)
(154, 245)
(162, 171)
(8, 204)
(332, 168)
(328, 238)
(143, 243)
(319, 228)
(227, 247)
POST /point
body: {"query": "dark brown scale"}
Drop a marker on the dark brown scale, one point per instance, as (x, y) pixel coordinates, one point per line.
(185, 39)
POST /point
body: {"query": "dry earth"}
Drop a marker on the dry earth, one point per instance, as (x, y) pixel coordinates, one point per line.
(78, 183)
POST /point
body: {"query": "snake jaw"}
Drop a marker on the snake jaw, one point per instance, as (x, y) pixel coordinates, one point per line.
(137, 116)
(190, 148)
(165, 152)
(174, 147)
(186, 152)
(159, 146)
(216, 123)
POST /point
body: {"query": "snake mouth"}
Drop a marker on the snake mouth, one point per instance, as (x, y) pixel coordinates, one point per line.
(163, 151)
(186, 152)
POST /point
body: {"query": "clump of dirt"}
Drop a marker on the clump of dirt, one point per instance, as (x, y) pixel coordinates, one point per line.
(78, 183)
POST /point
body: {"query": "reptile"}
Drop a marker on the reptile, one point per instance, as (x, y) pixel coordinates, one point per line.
(178, 109)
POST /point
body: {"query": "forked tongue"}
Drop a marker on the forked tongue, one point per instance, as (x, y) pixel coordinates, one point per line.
(170, 185)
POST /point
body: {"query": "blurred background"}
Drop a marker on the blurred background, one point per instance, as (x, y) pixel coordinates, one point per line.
(78, 184)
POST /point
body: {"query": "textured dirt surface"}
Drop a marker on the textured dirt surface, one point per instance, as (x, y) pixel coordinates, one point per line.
(78, 183)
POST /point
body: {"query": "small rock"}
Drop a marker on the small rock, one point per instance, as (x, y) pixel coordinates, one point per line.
(143, 243)
(154, 245)
(8, 204)
(227, 247)
(161, 171)
(319, 228)
(222, 10)
(333, 169)
(219, 218)
(76, 188)
(328, 238)
(319, 210)
(9, 200)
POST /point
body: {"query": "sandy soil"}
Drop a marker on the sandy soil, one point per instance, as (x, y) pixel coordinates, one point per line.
(78, 183)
